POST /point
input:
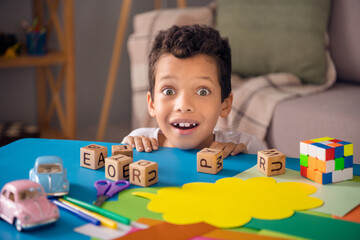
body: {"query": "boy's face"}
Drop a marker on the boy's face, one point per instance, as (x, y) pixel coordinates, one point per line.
(187, 100)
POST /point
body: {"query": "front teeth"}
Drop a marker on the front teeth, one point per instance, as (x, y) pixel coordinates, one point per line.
(185, 124)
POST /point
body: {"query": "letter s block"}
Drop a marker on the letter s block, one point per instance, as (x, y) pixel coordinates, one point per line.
(143, 173)
(210, 160)
(117, 167)
(271, 162)
(122, 149)
(93, 156)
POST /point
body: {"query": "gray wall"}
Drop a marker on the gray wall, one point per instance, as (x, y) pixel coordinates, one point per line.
(95, 26)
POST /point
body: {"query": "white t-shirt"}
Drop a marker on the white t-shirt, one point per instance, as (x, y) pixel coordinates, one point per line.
(253, 144)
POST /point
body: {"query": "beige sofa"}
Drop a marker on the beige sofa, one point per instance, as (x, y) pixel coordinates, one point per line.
(329, 110)
(334, 112)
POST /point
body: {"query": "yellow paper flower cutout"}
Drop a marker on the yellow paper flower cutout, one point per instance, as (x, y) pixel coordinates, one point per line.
(231, 202)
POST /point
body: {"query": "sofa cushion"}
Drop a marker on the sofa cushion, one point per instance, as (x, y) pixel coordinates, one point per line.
(345, 39)
(332, 113)
(276, 36)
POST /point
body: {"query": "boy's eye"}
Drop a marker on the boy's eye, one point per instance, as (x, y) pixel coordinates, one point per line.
(203, 92)
(168, 91)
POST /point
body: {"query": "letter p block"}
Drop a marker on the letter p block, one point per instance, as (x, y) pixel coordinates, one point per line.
(271, 162)
(143, 173)
(210, 160)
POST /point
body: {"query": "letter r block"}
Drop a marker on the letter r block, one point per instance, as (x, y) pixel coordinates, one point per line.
(210, 160)
(117, 167)
(122, 149)
(271, 162)
(143, 173)
(93, 156)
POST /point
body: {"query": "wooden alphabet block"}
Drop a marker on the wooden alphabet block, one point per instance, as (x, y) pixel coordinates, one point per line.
(271, 162)
(210, 160)
(143, 173)
(117, 167)
(93, 156)
(122, 149)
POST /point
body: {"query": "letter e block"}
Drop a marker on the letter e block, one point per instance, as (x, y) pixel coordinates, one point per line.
(143, 173)
(117, 167)
(122, 149)
(93, 156)
(210, 160)
(271, 162)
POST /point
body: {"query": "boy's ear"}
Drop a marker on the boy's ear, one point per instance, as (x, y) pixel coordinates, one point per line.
(151, 107)
(226, 106)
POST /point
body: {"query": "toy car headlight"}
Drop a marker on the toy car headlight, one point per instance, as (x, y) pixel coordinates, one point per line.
(25, 217)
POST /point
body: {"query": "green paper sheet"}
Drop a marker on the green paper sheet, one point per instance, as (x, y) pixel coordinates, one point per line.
(132, 206)
(339, 198)
(310, 226)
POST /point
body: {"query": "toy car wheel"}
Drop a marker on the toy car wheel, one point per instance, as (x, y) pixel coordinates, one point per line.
(18, 225)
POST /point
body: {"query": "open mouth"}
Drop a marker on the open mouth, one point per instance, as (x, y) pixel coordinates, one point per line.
(185, 126)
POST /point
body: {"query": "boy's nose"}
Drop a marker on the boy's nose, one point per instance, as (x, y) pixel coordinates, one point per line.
(184, 104)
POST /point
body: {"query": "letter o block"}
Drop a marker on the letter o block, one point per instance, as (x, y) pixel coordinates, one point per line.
(122, 149)
(117, 167)
(210, 160)
(271, 162)
(143, 173)
(93, 156)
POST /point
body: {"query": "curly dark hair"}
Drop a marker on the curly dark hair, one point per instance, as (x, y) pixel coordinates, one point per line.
(188, 41)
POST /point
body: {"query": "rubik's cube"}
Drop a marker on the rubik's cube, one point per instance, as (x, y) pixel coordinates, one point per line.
(326, 160)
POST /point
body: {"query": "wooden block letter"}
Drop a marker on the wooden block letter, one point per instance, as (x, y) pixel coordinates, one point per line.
(210, 160)
(93, 156)
(117, 167)
(122, 149)
(143, 173)
(271, 162)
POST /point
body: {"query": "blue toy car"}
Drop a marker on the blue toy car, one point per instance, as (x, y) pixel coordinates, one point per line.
(50, 173)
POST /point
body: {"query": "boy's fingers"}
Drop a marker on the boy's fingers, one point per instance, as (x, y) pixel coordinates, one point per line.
(147, 144)
(217, 145)
(139, 143)
(154, 143)
(238, 149)
(129, 140)
(213, 144)
(228, 148)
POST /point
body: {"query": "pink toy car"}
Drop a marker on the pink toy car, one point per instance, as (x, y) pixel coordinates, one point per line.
(24, 204)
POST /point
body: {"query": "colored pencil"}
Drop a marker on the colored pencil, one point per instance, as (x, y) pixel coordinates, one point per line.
(104, 220)
(99, 210)
(76, 212)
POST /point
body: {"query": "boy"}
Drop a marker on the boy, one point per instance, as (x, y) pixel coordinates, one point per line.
(189, 81)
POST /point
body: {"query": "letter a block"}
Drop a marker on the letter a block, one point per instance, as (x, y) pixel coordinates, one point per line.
(210, 160)
(93, 156)
(143, 173)
(271, 162)
(122, 149)
(117, 167)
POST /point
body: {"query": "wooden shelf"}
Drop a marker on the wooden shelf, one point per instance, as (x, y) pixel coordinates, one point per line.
(52, 58)
(55, 86)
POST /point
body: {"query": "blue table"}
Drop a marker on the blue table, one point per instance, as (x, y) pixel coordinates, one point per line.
(176, 167)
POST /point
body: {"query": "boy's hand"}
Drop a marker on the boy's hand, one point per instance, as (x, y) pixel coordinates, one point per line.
(142, 143)
(229, 148)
